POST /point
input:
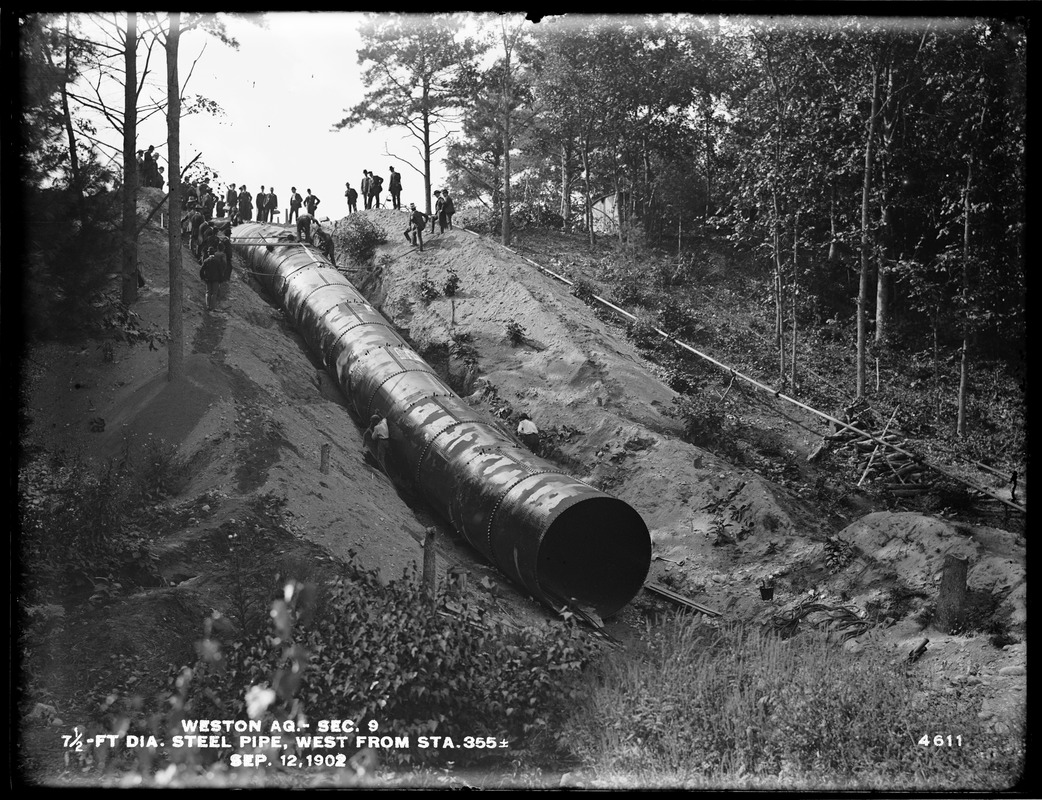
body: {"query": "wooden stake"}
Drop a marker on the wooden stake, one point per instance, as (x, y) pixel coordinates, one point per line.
(952, 595)
(325, 459)
(430, 571)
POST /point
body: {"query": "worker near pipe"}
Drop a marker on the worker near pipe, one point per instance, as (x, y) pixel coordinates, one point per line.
(304, 223)
(324, 242)
(215, 272)
(376, 438)
(417, 222)
(528, 433)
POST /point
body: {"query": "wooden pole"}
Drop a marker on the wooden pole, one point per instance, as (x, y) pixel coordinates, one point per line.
(325, 459)
(430, 571)
(952, 594)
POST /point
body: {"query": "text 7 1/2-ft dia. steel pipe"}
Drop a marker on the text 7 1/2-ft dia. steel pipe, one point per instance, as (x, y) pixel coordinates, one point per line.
(556, 536)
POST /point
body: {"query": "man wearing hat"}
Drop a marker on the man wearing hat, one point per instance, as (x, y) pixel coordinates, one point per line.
(417, 222)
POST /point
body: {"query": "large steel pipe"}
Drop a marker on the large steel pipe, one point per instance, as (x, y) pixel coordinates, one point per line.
(559, 538)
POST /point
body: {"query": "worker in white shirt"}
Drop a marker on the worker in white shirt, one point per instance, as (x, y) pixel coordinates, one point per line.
(376, 438)
(528, 433)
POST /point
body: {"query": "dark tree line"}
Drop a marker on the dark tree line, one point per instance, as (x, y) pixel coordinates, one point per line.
(890, 151)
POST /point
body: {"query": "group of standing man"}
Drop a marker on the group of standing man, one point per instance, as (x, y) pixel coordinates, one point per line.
(372, 187)
(148, 169)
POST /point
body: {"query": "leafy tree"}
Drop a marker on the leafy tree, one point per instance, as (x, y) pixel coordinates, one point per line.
(411, 65)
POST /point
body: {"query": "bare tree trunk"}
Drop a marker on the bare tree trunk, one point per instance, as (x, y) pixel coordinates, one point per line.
(129, 233)
(589, 204)
(74, 158)
(709, 166)
(175, 349)
(427, 147)
(964, 366)
(792, 295)
(566, 185)
(866, 238)
(505, 220)
(779, 301)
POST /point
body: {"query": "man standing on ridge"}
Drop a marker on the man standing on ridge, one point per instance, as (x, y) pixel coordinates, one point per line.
(245, 205)
(367, 185)
(273, 206)
(448, 208)
(352, 199)
(311, 203)
(375, 187)
(262, 205)
(231, 198)
(394, 186)
(295, 201)
(438, 203)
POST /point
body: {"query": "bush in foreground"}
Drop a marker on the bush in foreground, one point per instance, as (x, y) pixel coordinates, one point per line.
(375, 653)
(725, 706)
(359, 238)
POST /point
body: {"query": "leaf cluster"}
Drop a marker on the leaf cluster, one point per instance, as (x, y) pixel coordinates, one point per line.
(78, 519)
(384, 653)
(359, 238)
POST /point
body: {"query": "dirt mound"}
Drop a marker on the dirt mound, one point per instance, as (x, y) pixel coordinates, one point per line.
(907, 551)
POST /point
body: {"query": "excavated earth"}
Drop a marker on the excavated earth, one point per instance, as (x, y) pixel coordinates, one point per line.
(255, 410)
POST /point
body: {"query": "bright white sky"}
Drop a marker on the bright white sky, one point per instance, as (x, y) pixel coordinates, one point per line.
(282, 91)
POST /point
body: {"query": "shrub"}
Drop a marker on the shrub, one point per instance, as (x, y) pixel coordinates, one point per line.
(462, 347)
(702, 416)
(584, 290)
(427, 289)
(643, 333)
(162, 472)
(76, 523)
(516, 332)
(359, 238)
(381, 653)
(677, 319)
(451, 284)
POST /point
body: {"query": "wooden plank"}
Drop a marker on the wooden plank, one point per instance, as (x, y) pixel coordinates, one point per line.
(669, 594)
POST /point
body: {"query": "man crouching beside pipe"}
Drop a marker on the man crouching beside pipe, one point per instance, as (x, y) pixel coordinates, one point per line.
(375, 438)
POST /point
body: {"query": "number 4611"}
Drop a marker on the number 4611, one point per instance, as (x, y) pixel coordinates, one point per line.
(941, 741)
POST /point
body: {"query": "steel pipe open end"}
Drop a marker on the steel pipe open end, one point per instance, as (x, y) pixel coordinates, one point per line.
(597, 553)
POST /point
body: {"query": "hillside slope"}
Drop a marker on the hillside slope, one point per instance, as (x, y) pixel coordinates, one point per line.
(254, 412)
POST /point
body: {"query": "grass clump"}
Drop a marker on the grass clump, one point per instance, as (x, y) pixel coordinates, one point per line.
(737, 705)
